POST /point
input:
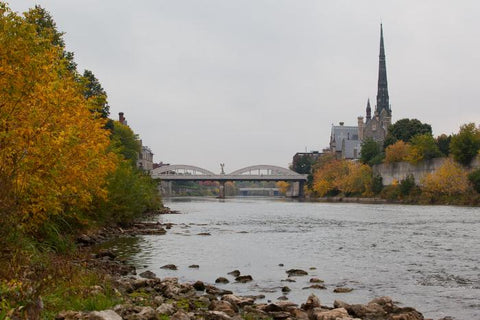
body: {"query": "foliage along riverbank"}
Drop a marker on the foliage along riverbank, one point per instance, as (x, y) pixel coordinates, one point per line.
(65, 169)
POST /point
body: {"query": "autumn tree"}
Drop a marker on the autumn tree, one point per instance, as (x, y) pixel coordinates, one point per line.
(348, 177)
(282, 186)
(448, 180)
(53, 155)
(422, 147)
(397, 152)
(405, 130)
(95, 94)
(465, 145)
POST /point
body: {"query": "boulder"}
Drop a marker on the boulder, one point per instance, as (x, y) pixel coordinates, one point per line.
(234, 273)
(217, 315)
(299, 314)
(221, 280)
(180, 315)
(311, 303)
(342, 290)
(244, 279)
(223, 306)
(148, 275)
(238, 301)
(316, 280)
(194, 266)
(339, 313)
(169, 267)
(166, 308)
(296, 272)
(199, 286)
(104, 315)
(216, 291)
(286, 289)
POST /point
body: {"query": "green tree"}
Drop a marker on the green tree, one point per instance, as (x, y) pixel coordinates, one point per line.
(465, 144)
(443, 143)
(302, 164)
(474, 178)
(47, 29)
(371, 152)
(95, 94)
(125, 142)
(405, 130)
(423, 147)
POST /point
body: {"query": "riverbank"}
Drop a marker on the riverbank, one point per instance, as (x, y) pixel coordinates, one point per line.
(147, 297)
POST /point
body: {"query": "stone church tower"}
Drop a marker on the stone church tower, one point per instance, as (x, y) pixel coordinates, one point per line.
(376, 126)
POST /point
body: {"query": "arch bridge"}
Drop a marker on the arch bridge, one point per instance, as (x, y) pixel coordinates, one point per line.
(179, 172)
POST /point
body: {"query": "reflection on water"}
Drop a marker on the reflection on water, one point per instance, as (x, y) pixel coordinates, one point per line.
(425, 257)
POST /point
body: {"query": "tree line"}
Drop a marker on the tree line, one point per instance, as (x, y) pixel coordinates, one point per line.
(408, 140)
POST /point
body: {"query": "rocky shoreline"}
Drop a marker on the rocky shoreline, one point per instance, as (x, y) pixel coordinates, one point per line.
(147, 297)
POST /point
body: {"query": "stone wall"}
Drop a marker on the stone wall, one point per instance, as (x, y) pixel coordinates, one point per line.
(400, 170)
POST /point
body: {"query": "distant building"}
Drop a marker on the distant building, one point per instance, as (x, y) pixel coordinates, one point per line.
(145, 159)
(345, 141)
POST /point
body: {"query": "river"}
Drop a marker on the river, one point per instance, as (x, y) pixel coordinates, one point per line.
(426, 257)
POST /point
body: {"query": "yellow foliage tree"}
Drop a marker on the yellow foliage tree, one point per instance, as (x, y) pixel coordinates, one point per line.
(282, 186)
(53, 150)
(399, 151)
(450, 179)
(342, 176)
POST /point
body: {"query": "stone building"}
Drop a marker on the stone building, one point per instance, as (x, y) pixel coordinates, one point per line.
(346, 141)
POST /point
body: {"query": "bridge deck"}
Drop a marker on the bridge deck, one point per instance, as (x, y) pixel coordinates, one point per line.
(227, 177)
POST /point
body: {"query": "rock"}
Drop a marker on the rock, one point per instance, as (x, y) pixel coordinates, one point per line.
(199, 286)
(282, 298)
(85, 240)
(408, 315)
(311, 303)
(194, 266)
(180, 315)
(216, 291)
(204, 234)
(342, 290)
(148, 275)
(69, 315)
(238, 301)
(296, 272)
(105, 253)
(166, 308)
(279, 315)
(299, 314)
(339, 313)
(313, 268)
(272, 307)
(244, 279)
(221, 280)
(289, 280)
(286, 289)
(234, 273)
(340, 304)
(281, 265)
(316, 280)
(217, 315)
(315, 286)
(158, 300)
(104, 315)
(223, 306)
(146, 313)
(169, 267)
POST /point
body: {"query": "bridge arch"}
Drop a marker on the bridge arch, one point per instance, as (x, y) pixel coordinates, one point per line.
(271, 170)
(181, 169)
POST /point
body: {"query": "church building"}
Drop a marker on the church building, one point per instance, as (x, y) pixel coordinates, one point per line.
(346, 141)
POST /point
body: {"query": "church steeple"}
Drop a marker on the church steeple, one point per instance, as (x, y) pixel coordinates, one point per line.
(382, 91)
(369, 110)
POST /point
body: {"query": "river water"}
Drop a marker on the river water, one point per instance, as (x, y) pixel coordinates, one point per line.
(426, 257)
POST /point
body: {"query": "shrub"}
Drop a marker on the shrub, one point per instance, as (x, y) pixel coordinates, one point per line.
(397, 152)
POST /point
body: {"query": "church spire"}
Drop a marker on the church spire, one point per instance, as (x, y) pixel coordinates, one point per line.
(369, 110)
(382, 91)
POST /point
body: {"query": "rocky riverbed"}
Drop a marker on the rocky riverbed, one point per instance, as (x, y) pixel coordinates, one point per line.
(146, 296)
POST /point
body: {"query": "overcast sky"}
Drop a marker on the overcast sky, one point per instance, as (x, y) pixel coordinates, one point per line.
(254, 81)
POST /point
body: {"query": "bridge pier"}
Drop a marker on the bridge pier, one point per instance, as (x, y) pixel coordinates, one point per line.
(221, 190)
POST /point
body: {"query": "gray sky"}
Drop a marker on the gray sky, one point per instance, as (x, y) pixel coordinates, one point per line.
(254, 81)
